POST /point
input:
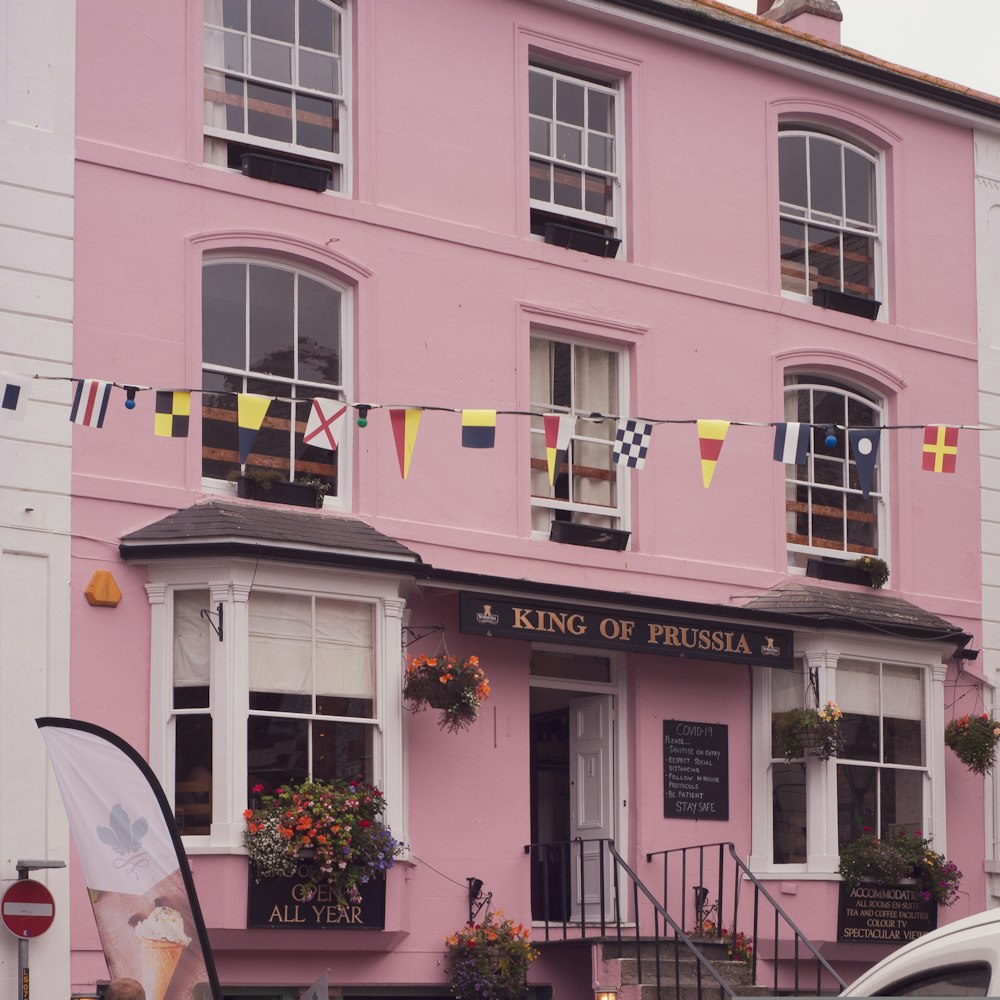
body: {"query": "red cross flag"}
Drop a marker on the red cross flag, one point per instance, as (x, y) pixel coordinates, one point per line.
(325, 421)
(940, 448)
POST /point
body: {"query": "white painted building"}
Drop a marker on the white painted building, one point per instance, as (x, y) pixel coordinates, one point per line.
(36, 337)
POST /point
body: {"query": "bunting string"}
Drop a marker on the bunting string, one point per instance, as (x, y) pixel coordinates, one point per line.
(631, 444)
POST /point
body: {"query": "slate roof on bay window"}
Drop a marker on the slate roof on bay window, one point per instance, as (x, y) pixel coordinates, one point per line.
(215, 527)
(824, 605)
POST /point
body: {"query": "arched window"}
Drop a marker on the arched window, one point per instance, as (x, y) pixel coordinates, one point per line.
(272, 330)
(831, 229)
(826, 512)
(275, 80)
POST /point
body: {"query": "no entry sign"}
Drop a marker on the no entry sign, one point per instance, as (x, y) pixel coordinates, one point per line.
(27, 908)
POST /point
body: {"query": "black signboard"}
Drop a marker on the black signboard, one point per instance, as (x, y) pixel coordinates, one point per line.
(281, 904)
(695, 770)
(883, 914)
(698, 639)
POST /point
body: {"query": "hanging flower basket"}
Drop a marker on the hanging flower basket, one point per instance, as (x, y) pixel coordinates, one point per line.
(816, 730)
(974, 740)
(489, 961)
(899, 857)
(334, 826)
(456, 686)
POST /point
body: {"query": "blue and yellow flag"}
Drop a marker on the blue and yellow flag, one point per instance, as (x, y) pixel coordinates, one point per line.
(479, 428)
(250, 413)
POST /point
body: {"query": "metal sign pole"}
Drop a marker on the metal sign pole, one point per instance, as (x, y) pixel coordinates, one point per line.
(24, 869)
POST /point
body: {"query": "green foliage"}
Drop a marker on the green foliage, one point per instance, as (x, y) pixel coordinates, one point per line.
(901, 855)
(974, 740)
(489, 961)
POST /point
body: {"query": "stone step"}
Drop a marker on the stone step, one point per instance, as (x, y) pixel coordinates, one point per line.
(734, 973)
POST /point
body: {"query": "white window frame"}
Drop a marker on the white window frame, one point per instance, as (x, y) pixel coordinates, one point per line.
(217, 138)
(344, 453)
(619, 513)
(807, 215)
(798, 553)
(230, 583)
(613, 223)
(820, 654)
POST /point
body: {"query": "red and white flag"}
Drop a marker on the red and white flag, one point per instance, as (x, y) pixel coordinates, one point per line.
(137, 873)
(325, 421)
(90, 402)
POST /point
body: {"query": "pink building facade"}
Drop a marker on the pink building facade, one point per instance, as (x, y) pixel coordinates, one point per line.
(665, 211)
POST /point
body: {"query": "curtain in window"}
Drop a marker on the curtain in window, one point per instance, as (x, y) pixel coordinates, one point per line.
(284, 659)
(191, 639)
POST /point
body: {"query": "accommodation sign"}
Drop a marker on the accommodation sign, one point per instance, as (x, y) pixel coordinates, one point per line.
(695, 770)
(883, 914)
(613, 628)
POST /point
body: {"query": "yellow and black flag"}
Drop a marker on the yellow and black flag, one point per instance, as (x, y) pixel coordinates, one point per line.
(173, 414)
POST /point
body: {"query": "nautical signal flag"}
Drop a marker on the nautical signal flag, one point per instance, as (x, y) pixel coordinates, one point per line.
(90, 402)
(172, 417)
(940, 448)
(13, 396)
(250, 413)
(864, 448)
(325, 421)
(791, 443)
(632, 442)
(711, 435)
(559, 429)
(405, 424)
(479, 428)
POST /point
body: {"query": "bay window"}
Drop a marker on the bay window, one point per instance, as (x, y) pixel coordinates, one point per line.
(265, 675)
(886, 777)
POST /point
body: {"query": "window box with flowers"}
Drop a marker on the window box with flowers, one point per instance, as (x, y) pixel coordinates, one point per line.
(974, 740)
(455, 685)
(898, 858)
(816, 730)
(489, 961)
(333, 826)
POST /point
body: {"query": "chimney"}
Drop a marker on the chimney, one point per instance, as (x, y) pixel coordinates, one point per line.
(815, 17)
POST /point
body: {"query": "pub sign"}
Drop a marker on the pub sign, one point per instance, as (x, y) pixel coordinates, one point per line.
(613, 628)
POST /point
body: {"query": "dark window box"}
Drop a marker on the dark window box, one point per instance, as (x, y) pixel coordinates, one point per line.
(286, 171)
(584, 240)
(570, 533)
(290, 494)
(855, 305)
(840, 572)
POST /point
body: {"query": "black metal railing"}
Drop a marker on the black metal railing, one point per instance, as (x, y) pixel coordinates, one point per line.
(583, 890)
(781, 957)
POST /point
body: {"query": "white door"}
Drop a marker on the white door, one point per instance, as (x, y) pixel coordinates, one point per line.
(591, 725)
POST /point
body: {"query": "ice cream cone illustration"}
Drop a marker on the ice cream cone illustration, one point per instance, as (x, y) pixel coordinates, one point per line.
(162, 940)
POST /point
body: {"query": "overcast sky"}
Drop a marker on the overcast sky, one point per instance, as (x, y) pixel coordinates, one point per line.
(956, 39)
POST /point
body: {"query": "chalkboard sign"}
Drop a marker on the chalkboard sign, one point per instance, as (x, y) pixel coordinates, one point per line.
(695, 770)
(880, 914)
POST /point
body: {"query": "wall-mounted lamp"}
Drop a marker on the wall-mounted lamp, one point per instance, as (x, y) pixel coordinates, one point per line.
(600, 994)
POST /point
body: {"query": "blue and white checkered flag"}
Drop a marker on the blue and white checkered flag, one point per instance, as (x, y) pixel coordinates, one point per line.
(632, 442)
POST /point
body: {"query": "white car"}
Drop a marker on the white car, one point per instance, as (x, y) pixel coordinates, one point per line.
(961, 959)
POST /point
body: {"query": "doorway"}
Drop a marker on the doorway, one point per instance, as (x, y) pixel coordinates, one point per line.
(574, 781)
